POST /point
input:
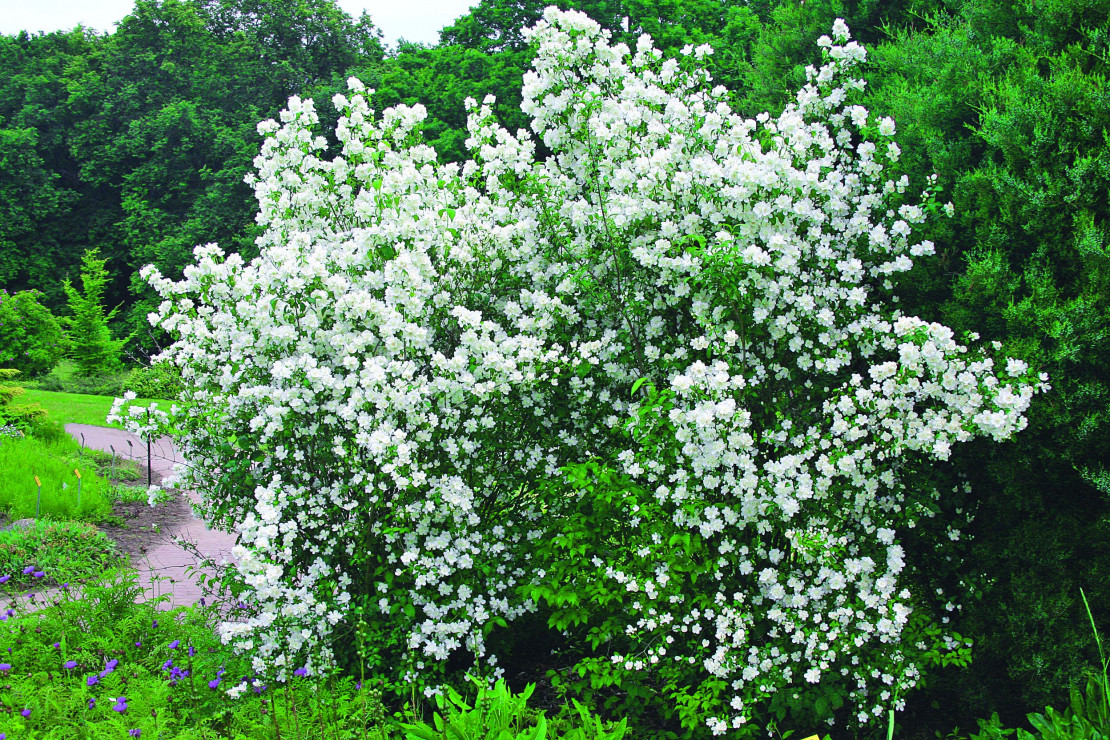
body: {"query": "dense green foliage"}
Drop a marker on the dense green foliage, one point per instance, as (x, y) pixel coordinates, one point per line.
(31, 340)
(1012, 103)
(16, 414)
(137, 142)
(95, 660)
(160, 380)
(65, 550)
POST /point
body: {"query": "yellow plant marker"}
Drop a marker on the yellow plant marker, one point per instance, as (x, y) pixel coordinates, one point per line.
(811, 737)
(37, 483)
(78, 474)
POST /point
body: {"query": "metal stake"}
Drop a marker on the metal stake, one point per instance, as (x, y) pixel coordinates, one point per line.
(148, 440)
(38, 501)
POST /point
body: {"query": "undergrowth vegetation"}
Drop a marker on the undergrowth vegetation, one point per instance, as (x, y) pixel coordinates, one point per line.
(46, 552)
(94, 661)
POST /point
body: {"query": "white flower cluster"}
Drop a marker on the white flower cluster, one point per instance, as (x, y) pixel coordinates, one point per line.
(375, 400)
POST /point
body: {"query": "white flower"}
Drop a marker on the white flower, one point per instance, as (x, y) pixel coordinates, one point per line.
(1015, 367)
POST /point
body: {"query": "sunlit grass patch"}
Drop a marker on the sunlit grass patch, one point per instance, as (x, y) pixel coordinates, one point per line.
(54, 495)
(78, 408)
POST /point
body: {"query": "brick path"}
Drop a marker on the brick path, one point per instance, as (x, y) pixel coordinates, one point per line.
(163, 570)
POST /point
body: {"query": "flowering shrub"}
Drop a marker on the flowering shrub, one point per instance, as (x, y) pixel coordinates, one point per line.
(656, 383)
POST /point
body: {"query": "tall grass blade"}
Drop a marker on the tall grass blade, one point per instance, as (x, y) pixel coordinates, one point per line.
(1104, 699)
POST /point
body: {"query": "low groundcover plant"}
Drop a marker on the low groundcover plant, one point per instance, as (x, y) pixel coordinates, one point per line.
(89, 660)
(655, 383)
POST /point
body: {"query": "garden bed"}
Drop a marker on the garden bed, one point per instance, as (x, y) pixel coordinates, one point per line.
(136, 526)
(132, 529)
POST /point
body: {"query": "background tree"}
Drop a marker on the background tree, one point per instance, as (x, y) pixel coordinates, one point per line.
(92, 347)
(136, 142)
(31, 340)
(1009, 104)
(47, 215)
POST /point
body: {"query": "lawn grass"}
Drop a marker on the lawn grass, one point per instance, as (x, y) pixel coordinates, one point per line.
(78, 408)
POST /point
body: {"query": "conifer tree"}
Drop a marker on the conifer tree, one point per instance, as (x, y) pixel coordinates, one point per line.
(91, 345)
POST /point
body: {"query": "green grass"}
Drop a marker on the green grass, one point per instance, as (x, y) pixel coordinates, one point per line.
(78, 408)
(22, 459)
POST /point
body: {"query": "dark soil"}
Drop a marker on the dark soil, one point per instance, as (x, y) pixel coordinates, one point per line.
(144, 526)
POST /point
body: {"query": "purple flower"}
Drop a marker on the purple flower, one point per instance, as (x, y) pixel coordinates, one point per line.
(174, 644)
(39, 574)
(92, 702)
(26, 712)
(155, 624)
(192, 651)
(214, 683)
(58, 645)
(71, 664)
(167, 665)
(300, 672)
(138, 644)
(110, 666)
(120, 705)
(5, 667)
(135, 733)
(5, 579)
(28, 570)
(92, 680)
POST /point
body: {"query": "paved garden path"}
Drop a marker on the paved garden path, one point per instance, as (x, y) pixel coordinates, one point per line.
(165, 569)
